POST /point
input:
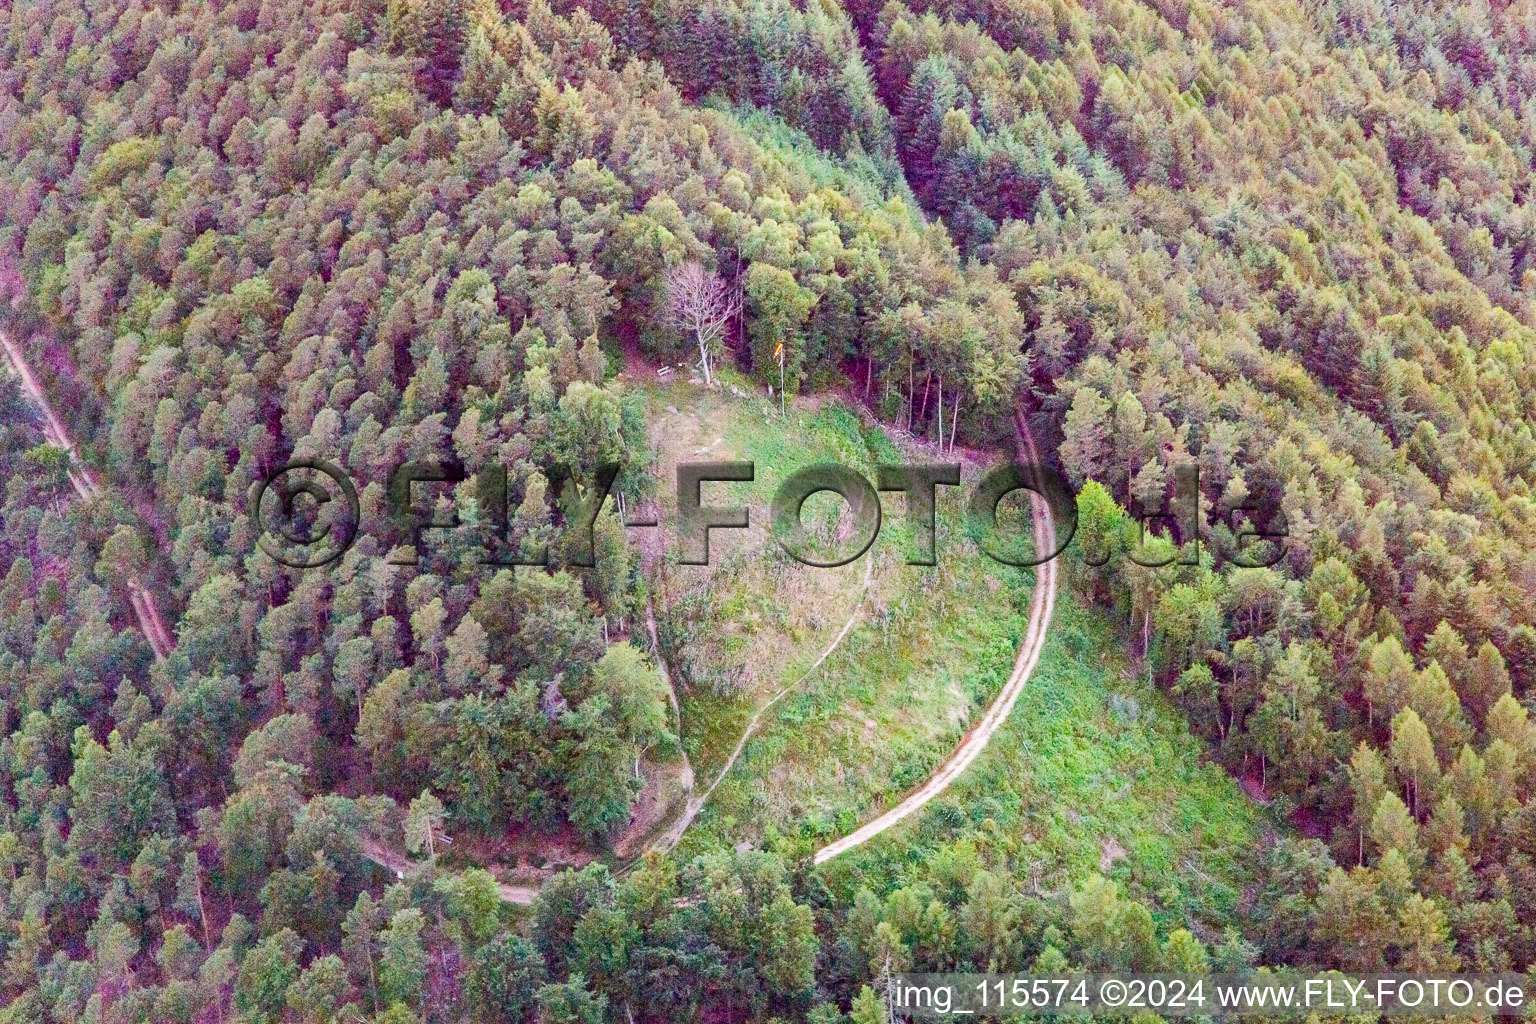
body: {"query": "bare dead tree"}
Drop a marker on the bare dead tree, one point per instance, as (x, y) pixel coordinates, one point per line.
(701, 303)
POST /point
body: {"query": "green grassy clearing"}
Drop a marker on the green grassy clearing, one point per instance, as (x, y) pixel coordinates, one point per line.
(1092, 761)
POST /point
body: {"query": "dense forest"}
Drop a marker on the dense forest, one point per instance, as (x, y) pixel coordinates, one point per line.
(1289, 244)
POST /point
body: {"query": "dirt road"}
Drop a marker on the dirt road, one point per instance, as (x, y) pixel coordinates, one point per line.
(975, 741)
(402, 866)
(88, 487)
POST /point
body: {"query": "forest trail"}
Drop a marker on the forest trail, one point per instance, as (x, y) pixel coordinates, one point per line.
(975, 741)
(674, 834)
(401, 865)
(646, 814)
(88, 487)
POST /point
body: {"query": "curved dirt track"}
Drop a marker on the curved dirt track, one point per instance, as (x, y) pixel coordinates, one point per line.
(88, 487)
(975, 741)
